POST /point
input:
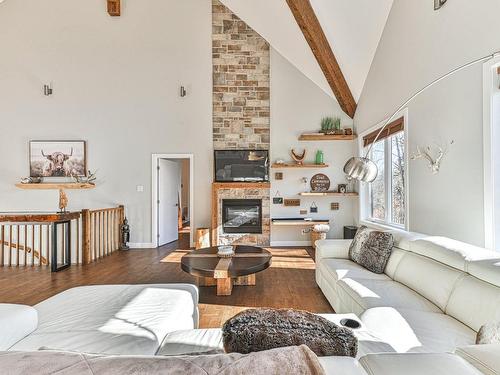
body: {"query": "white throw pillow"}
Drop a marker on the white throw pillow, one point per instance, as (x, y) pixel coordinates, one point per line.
(16, 322)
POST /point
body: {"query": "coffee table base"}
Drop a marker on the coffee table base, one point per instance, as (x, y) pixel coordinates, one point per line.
(225, 284)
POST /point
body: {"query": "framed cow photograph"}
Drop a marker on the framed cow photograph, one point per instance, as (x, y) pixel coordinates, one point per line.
(58, 158)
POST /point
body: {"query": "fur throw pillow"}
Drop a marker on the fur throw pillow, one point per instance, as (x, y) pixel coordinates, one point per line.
(371, 249)
(256, 330)
(489, 334)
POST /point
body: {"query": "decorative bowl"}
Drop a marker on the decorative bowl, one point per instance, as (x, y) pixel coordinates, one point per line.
(225, 251)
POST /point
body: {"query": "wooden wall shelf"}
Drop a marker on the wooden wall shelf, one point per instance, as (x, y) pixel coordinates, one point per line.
(55, 186)
(287, 165)
(298, 223)
(323, 137)
(328, 194)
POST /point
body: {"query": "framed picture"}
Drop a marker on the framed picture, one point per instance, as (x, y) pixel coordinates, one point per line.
(57, 158)
(342, 188)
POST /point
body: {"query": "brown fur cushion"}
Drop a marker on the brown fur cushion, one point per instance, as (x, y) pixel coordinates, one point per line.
(371, 249)
(263, 329)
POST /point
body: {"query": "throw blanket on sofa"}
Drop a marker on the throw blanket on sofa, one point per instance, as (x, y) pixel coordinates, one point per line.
(297, 360)
(254, 330)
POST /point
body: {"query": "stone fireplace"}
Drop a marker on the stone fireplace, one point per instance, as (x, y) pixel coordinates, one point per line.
(241, 121)
(240, 214)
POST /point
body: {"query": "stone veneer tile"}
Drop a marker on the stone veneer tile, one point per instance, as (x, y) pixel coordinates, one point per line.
(241, 64)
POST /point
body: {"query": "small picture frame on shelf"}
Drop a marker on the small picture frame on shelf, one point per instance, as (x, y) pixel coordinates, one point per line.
(278, 176)
(342, 188)
(277, 200)
(335, 206)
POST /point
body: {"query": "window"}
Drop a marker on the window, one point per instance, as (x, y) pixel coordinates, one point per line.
(386, 196)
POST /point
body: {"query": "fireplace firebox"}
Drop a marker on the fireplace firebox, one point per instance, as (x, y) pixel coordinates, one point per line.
(242, 215)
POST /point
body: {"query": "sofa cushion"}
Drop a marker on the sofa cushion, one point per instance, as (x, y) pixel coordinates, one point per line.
(341, 366)
(474, 302)
(192, 341)
(414, 271)
(487, 270)
(449, 252)
(16, 322)
(343, 268)
(292, 360)
(417, 331)
(371, 249)
(256, 330)
(113, 319)
(417, 364)
(332, 249)
(486, 358)
(368, 293)
(393, 263)
(489, 334)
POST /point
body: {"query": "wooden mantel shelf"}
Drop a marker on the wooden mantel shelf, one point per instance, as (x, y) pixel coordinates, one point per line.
(326, 137)
(328, 194)
(241, 185)
(287, 165)
(56, 186)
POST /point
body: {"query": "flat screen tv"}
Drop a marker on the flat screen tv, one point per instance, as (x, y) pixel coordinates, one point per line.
(241, 165)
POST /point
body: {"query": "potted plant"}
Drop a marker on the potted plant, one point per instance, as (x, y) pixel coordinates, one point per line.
(327, 125)
(330, 125)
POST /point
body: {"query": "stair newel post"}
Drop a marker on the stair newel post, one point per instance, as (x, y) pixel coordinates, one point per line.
(86, 229)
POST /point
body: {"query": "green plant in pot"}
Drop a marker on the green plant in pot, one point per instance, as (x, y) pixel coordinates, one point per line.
(327, 125)
(337, 125)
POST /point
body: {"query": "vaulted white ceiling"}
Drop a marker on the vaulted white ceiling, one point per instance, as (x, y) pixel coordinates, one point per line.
(353, 28)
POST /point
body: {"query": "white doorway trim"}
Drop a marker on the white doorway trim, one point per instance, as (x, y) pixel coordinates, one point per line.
(154, 194)
(490, 81)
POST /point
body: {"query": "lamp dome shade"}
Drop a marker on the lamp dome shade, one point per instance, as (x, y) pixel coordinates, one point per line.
(361, 169)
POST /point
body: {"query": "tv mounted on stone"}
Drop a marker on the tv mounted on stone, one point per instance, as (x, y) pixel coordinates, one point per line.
(241, 165)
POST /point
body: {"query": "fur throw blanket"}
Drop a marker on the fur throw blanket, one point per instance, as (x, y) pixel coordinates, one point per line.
(263, 329)
(297, 360)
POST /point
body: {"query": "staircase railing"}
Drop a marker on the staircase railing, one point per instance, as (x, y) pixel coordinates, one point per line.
(101, 232)
(94, 234)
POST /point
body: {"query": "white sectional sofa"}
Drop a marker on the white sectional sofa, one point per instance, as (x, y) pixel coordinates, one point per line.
(420, 317)
(104, 319)
(434, 296)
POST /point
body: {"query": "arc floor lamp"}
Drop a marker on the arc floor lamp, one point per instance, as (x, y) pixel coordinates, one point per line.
(363, 168)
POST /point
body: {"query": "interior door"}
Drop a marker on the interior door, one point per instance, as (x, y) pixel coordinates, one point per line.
(169, 185)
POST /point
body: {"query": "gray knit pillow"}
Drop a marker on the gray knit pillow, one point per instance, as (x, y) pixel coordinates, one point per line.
(371, 249)
(489, 334)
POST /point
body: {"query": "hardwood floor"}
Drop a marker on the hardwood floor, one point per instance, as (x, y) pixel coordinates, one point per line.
(289, 283)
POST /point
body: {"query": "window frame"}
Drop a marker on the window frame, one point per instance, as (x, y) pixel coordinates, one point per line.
(365, 210)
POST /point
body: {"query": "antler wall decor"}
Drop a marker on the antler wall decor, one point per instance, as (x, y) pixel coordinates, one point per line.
(434, 163)
(299, 158)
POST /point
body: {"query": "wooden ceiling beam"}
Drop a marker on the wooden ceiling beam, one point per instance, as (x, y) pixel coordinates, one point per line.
(316, 38)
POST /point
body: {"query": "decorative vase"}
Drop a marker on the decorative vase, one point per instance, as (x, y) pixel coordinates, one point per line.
(319, 157)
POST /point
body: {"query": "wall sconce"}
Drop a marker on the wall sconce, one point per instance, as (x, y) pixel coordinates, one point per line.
(439, 3)
(47, 89)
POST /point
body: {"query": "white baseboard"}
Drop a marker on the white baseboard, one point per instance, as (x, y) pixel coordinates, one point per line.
(290, 243)
(140, 245)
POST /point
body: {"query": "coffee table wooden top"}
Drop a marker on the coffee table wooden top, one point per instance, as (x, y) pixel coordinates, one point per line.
(247, 260)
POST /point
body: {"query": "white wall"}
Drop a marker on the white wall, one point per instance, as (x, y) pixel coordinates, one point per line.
(418, 45)
(297, 106)
(116, 83)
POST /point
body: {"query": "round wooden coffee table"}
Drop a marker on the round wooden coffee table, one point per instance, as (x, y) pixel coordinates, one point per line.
(240, 269)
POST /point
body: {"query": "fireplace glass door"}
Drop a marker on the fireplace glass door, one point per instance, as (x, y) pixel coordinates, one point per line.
(242, 215)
